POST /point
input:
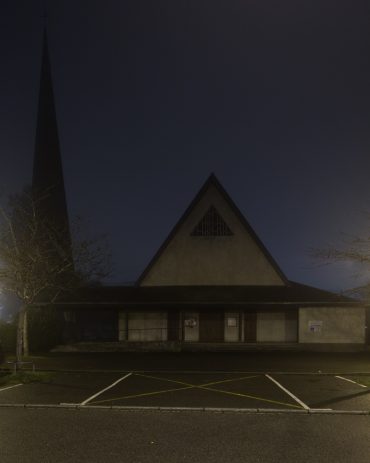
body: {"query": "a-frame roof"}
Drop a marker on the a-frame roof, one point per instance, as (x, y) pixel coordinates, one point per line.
(213, 181)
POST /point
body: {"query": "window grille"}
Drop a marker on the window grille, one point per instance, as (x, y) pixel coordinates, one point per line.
(212, 224)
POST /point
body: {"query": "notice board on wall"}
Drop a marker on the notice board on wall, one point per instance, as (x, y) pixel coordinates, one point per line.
(315, 326)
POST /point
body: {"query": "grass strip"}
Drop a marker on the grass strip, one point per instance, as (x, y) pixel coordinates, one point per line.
(25, 377)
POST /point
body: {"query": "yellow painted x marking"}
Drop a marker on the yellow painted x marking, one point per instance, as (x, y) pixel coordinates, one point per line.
(204, 386)
(162, 391)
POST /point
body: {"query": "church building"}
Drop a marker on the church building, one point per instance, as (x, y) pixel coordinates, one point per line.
(211, 285)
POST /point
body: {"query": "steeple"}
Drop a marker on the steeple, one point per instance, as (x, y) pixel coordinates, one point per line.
(47, 165)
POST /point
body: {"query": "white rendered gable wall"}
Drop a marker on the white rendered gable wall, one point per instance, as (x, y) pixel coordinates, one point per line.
(219, 260)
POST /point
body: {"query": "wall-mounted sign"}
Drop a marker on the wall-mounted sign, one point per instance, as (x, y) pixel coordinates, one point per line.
(190, 322)
(232, 322)
(315, 326)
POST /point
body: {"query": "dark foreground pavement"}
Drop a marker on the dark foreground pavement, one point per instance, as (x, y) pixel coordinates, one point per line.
(231, 361)
(94, 436)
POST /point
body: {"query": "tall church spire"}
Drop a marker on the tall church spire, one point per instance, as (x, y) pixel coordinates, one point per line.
(47, 164)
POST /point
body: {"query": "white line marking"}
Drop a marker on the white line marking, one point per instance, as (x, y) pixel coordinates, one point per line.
(105, 389)
(351, 381)
(302, 404)
(10, 387)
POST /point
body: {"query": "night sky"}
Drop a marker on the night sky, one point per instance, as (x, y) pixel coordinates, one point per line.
(152, 96)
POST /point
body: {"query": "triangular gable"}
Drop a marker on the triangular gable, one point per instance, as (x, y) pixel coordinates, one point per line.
(230, 255)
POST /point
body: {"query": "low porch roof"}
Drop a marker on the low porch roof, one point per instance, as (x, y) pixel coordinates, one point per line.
(148, 296)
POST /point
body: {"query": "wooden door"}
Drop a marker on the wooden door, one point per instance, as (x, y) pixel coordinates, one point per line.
(173, 325)
(250, 327)
(211, 326)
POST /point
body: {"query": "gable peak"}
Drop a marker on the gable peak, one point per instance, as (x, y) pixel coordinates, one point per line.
(199, 220)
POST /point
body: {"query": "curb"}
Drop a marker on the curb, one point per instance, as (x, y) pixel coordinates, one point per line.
(260, 411)
(259, 372)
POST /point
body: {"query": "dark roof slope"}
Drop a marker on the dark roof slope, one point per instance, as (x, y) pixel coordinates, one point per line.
(295, 293)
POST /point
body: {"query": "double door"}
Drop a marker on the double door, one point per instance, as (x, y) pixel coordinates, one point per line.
(250, 327)
(211, 326)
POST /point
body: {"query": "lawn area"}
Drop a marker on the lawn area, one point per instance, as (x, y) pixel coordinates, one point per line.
(7, 379)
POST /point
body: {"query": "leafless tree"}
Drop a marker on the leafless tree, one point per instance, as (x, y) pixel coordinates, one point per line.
(39, 260)
(351, 249)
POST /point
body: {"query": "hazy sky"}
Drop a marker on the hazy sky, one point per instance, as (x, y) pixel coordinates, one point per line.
(152, 96)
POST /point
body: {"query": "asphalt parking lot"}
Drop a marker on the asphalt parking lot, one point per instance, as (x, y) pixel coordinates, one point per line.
(315, 392)
(98, 436)
(209, 408)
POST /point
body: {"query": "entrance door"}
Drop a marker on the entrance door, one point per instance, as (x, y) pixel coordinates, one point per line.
(250, 327)
(211, 326)
(173, 325)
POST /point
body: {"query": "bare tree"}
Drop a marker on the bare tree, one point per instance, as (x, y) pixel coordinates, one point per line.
(39, 260)
(354, 250)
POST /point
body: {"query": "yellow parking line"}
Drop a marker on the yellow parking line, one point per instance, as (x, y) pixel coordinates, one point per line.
(239, 394)
(229, 380)
(194, 385)
(187, 386)
(164, 379)
(200, 386)
(142, 395)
